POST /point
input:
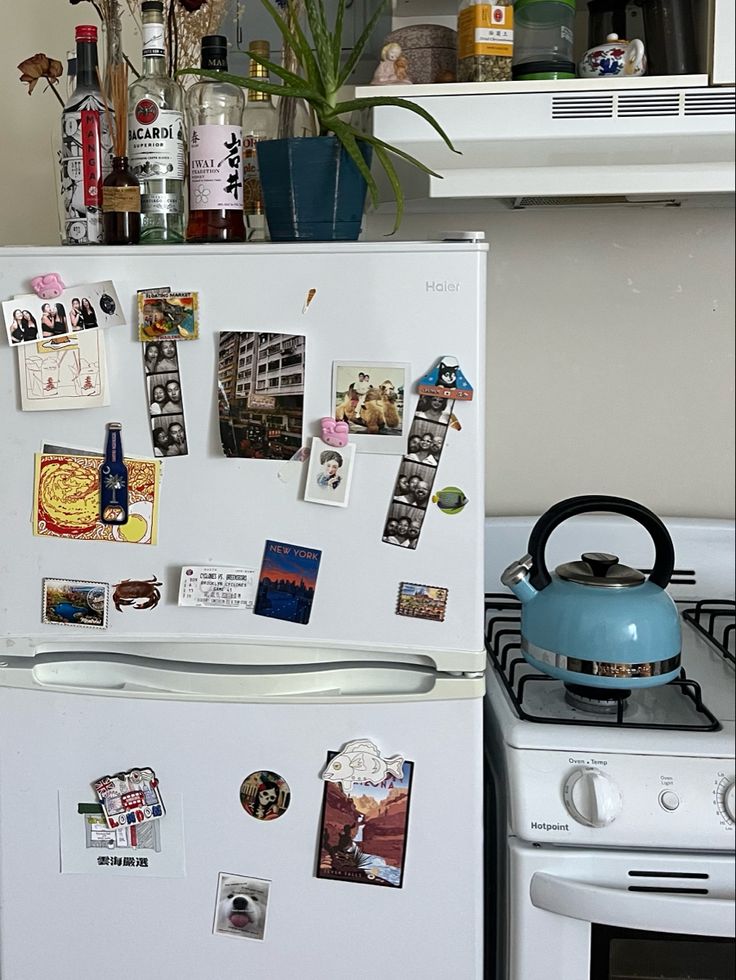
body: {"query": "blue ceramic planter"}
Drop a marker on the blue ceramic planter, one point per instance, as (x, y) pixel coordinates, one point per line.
(312, 190)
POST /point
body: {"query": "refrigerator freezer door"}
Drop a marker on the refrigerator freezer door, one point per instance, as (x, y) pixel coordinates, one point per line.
(398, 302)
(54, 745)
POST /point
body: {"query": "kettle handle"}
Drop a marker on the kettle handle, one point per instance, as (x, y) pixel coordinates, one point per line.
(664, 553)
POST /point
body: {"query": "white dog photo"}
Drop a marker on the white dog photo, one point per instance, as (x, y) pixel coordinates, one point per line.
(241, 906)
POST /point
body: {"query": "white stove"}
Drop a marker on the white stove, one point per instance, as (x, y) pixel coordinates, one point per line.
(614, 819)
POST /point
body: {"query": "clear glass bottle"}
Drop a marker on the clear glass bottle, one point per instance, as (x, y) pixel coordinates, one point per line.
(86, 148)
(215, 124)
(156, 135)
(121, 205)
(260, 122)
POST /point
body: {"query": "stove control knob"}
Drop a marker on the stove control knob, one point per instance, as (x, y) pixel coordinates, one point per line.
(591, 797)
(729, 802)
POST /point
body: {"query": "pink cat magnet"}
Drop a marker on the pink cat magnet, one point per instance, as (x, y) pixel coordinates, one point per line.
(334, 433)
(130, 797)
(49, 286)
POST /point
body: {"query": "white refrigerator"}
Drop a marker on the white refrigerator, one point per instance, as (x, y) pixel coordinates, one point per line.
(208, 697)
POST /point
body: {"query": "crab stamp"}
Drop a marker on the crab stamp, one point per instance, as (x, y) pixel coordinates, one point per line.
(138, 593)
(67, 602)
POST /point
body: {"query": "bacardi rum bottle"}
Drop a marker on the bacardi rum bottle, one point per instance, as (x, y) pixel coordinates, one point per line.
(215, 123)
(156, 135)
(260, 122)
(86, 148)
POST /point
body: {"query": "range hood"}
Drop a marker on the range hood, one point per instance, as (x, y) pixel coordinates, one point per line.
(584, 141)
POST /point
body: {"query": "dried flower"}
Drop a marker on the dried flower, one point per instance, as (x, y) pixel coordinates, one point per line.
(192, 5)
(40, 66)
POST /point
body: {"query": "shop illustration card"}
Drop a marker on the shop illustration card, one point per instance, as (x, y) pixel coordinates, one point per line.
(260, 394)
(363, 827)
(64, 372)
(287, 582)
(30, 319)
(66, 500)
(166, 314)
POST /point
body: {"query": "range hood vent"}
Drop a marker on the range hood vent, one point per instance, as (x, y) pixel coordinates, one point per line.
(630, 141)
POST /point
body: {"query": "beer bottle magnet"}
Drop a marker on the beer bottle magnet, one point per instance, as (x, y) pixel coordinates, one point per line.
(113, 479)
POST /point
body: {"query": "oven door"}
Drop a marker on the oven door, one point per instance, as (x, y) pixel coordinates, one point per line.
(577, 914)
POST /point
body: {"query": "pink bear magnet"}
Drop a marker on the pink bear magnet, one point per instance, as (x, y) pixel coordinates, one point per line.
(334, 433)
(49, 286)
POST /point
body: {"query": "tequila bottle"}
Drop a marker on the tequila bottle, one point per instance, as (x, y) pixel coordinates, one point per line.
(156, 136)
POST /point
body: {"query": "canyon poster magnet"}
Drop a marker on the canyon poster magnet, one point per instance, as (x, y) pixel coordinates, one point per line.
(363, 832)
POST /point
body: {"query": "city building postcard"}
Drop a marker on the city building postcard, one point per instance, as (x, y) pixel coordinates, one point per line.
(363, 830)
(287, 582)
(260, 393)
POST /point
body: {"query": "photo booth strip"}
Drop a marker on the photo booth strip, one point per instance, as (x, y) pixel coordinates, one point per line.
(165, 400)
(438, 390)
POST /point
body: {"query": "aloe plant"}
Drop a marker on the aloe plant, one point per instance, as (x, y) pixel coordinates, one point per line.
(323, 75)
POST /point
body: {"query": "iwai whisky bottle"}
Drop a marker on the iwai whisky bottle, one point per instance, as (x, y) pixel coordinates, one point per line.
(215, 122)
(86, 148)
(260, 122)
(156, 135)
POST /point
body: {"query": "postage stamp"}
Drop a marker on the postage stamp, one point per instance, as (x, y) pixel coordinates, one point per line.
(422, 601)
(67, 602)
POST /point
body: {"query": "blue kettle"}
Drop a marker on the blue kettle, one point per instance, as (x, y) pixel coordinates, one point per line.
(596, 622)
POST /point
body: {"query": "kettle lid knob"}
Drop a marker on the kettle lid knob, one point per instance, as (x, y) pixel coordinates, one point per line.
(600, 562)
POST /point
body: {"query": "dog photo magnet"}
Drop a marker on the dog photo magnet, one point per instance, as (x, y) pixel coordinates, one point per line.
(241, 906)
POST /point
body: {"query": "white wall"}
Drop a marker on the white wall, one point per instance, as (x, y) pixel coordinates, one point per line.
(610, 333)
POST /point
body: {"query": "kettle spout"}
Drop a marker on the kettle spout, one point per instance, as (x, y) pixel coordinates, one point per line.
(516, 578)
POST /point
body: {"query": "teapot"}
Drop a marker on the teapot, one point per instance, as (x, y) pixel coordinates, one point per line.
(596, 622)
(614, 58)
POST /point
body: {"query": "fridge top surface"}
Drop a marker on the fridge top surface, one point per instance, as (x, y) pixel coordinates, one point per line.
(263, 248)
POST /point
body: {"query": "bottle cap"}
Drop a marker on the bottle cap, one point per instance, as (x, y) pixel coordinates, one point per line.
(214, 51)
(263, 48)
(155, 5)
(85, 32)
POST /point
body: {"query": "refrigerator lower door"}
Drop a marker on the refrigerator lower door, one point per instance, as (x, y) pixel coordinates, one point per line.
(54, 744)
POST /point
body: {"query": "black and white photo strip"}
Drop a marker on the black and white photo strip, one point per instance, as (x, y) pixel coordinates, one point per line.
(418, 469)
(165, 405)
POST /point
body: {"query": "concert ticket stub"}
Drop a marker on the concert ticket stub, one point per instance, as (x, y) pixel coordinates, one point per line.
(217, 586)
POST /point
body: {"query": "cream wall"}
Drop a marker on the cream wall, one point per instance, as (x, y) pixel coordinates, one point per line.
(610, 332)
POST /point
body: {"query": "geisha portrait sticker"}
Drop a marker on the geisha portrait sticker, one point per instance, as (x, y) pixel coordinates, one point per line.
(265, 795)
(365, 814)
(330, 474)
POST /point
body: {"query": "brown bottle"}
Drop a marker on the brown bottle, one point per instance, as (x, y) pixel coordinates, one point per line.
(121, 205)
(215, 117)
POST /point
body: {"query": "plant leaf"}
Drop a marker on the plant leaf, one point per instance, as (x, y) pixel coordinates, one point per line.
(370, 102)
(294, 37)
(287, 90)
(360, 45)
(322, 41)
(278, 70)
(347, 137)
(337, 36)
(385, 160)
(374, 141)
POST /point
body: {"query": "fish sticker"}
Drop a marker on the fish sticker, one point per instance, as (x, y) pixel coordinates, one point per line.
(361, 762)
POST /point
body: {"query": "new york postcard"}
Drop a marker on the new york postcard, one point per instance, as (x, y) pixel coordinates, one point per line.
(363, 831)
(287, 582)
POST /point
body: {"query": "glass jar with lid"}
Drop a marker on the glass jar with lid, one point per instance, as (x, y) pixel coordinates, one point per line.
(485, 40)
(543, 42)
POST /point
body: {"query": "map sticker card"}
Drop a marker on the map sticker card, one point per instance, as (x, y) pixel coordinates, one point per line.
(67, 602)
(217, 586)
(64, 372)
(287, 582)
(30, 319)
(66, 500)
(241, 906)
(128, 798)
(166, 314)
(363, 827)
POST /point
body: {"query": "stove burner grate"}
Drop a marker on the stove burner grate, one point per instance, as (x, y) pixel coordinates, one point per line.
(503, 645)
(714, 618)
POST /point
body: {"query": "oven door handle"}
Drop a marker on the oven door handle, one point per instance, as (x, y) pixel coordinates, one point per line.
(687, 914)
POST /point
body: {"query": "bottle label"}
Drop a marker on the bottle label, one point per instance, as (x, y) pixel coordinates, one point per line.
(153, 41)
(121, 199)
(216, 168)
(485, 29)
(155, 142)
(160, 203)
(252, 192)
(86, 159)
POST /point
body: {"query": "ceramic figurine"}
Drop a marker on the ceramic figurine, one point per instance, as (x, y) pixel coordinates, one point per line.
(614, 58)
(392, 69)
